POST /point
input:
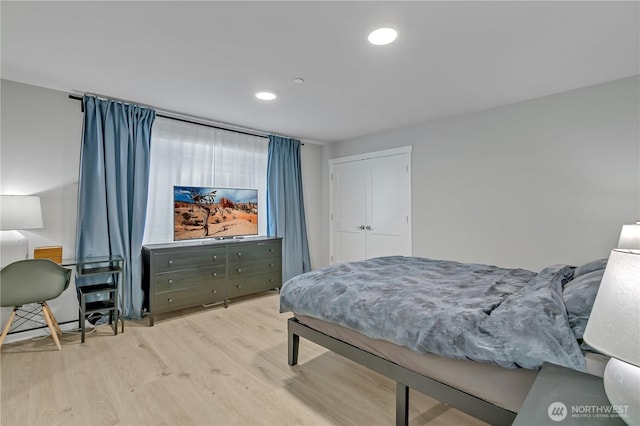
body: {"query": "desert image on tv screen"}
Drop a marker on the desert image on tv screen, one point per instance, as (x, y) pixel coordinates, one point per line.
(214, 212)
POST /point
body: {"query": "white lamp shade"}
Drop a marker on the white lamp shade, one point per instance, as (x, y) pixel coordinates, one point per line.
(614, 323)
(20, 212)
(630, 237)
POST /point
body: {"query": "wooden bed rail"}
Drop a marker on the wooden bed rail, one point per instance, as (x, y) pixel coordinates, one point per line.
(404, 378)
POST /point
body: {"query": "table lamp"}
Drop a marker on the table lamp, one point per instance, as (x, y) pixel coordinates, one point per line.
(614, 329)
(630, 237)
(17, 212)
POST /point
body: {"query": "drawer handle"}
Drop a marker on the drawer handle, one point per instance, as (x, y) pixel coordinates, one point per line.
(215, 274)
(239, 254)
(169, 300)
(214, 291)
(170, 282)
(239, 269)
(171, 262)
(239, 286)
(215, 257)
(270, 280)
(271, 265)
(270, 250)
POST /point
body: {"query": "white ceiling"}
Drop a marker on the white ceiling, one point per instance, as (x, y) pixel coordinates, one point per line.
(206, 59)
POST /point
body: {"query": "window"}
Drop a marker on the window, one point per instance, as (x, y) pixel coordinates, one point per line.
(196, 155)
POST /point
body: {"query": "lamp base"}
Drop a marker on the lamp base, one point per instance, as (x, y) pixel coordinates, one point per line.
(13, 247)
(622, 386)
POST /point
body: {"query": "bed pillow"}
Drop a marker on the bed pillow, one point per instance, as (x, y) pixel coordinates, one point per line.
(594, 265)
(579, 295)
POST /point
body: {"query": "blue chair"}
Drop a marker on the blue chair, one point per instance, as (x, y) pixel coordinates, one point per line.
(29, 282)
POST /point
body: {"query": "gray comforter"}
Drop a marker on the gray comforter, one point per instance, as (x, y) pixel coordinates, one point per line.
(510, 317)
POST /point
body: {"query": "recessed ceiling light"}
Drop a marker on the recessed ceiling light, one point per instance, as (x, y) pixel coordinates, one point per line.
(382, 36)
(266, 95)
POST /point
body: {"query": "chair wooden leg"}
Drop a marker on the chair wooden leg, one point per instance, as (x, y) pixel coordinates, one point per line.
(54, 332)
(53, 318)
(6, 327)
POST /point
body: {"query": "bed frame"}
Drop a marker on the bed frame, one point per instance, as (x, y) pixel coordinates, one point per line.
(405, 378)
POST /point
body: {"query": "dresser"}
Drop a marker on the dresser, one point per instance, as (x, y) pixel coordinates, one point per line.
(185, 274)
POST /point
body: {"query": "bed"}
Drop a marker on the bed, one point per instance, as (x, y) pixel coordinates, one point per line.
(469, 335)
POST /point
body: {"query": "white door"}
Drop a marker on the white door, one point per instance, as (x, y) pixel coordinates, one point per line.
(349, 211)
(370, 206)
(388, 228)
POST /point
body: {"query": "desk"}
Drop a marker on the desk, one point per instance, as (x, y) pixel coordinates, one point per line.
(112, 266)
(566, 397)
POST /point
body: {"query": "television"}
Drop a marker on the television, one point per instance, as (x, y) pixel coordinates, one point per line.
(209, 212)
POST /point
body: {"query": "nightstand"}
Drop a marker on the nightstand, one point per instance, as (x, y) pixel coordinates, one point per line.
(561, 396)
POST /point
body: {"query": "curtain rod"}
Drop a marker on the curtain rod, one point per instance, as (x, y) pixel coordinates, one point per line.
(165, 114)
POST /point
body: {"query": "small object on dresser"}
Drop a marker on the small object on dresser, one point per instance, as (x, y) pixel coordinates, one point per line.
(50, 252)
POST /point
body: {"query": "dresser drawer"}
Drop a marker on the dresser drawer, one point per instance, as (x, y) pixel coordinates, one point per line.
(176, 261)
(254, 267)
(254, 251)
(254, 284)
(180, 299)
(172, 300)
(190, 278)
(215, 293)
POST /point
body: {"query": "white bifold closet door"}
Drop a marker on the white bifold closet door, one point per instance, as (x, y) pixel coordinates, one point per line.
(370, 205)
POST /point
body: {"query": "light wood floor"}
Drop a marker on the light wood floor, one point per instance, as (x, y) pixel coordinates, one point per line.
(210, 366)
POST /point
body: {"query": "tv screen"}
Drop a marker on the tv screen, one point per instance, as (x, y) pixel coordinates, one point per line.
(206, 212)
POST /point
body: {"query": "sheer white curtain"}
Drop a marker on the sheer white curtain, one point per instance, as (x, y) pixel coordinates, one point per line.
(194, 155)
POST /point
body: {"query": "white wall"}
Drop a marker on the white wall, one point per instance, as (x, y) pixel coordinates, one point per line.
(550, 180)
(40, 155)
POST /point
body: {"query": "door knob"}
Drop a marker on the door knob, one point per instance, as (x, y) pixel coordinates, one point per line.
(368, 228)
(361, 227)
